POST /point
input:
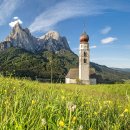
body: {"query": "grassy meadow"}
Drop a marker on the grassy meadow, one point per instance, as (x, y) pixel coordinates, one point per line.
(29, 105)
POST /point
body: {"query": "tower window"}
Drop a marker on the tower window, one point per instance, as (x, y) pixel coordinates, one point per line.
(85, 54)
(85, 60)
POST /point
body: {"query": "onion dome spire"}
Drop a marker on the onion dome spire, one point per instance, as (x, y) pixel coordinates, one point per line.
(84, 37)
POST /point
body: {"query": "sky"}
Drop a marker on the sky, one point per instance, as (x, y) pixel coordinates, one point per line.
(107, 22)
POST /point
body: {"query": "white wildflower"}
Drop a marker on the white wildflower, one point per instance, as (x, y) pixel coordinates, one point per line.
(71, 106)
(43, 121)
(80, 127)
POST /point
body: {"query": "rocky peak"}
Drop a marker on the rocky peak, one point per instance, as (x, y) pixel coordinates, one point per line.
(17, 26)
(51, 35)
(53, 41)
(22, 38)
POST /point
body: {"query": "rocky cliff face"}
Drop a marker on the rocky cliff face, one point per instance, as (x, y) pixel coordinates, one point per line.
(53, 41)
(22, 38)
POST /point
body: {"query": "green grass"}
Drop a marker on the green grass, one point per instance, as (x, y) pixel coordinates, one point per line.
(29, 105)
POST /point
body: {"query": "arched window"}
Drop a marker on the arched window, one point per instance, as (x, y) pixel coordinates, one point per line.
(85, 54)
(85, 60)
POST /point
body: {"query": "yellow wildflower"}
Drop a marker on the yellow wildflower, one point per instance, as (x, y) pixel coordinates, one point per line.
(87, 103)
(126, 110)
(95, 113)
(33, 102)
(89, 116)
(74, 119)
(121, 115)
(61, 124)
(62, 97)
(90, 128)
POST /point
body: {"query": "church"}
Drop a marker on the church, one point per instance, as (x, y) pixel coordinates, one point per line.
(83, 74)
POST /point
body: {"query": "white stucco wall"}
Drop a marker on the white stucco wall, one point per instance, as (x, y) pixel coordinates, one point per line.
(73, 81)
(70, 81)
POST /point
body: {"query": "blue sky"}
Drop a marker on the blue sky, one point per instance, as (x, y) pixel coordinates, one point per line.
(107, 23)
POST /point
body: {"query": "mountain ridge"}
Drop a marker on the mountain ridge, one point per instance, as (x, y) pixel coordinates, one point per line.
(22, 38)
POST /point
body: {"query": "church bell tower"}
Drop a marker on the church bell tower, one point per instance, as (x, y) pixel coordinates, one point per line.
(84, 59)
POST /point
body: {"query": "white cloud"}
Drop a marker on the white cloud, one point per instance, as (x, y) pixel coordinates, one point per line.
(16, 20)
(69, 9)
(7, 7)
(93, 47)
(106, 30)
(108, 40)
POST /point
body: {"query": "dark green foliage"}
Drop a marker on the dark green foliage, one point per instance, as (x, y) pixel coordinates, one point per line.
(21, 63)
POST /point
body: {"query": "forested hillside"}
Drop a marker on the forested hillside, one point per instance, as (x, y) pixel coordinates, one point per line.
(21, 63)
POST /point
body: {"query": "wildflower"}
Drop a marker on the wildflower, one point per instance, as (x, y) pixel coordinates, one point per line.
(89, 116)
(43, 121)
(126, 110)
(80, 127)
(61, 124)
(95, 113)
(6, 102)
(5, 91)
(87, 103)
(33, 102)
(74, 119)
(82, 105)
(107, 102)
(71, 106)
(90, 129)
(62, 97)
(122, 115)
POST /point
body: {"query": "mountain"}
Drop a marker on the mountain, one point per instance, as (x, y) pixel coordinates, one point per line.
(123, 69)
(53, 41)
(22, 38)
(105, 74)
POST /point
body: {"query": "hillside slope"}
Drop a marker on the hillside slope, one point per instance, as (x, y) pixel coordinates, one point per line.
(21, 63)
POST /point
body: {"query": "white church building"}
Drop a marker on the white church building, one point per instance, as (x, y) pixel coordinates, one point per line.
(83, 73)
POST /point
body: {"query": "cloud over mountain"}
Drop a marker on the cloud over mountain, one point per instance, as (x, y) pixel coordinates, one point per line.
(16, 20)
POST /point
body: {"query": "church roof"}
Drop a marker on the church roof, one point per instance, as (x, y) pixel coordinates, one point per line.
(74, 73)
